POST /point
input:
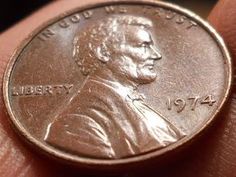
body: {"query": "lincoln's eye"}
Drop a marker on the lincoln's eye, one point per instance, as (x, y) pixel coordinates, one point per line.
(145, 44)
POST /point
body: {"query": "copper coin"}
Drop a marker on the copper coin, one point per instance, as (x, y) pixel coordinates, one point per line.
(117, 83)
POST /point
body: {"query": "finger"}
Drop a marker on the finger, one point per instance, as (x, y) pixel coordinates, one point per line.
(15, 158)
(223, 18)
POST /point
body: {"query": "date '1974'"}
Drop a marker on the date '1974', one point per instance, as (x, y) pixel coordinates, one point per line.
(180, 104)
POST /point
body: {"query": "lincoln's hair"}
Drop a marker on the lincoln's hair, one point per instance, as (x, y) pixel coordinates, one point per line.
(101, 38)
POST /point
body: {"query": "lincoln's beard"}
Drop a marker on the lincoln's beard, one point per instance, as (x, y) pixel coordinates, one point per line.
(146, 76)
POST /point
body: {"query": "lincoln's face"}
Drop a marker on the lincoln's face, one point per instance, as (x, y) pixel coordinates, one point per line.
(137, 56)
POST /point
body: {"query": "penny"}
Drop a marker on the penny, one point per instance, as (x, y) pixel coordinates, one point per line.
(117, 83)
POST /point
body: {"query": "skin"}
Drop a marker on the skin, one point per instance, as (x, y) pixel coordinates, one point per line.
(213, 155)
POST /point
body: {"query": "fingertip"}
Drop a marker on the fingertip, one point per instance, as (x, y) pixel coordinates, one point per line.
(223, 18)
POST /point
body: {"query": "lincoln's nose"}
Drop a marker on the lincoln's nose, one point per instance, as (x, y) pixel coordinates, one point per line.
(155, 54)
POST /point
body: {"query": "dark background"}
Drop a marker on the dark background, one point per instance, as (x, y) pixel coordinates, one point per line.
(12, 11)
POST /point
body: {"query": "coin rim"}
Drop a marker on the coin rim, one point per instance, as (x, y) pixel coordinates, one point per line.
(76, 159)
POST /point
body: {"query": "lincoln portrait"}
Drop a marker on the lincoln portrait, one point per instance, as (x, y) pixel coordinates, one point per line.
(108, 118)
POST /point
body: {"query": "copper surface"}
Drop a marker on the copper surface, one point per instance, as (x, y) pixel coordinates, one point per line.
(117, 82)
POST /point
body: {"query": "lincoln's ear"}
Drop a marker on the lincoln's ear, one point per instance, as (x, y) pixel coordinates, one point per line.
(103, 54)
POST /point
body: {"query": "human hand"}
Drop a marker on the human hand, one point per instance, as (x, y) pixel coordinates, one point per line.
(213, 155)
